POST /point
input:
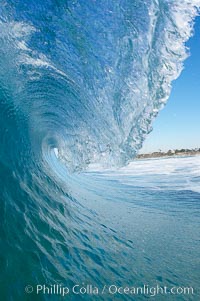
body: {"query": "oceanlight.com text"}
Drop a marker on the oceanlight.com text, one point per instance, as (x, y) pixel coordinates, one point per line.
(111, 289)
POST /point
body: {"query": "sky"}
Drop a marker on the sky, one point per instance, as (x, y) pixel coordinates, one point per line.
(178, 124)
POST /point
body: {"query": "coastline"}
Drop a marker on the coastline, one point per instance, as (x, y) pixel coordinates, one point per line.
(170, 153)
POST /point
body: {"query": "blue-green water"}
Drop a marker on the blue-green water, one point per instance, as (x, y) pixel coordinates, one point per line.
(80, 83)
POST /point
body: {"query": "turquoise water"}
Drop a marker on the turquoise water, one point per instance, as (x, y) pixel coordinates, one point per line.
(149, 212)
(80, 84)
(131, 227)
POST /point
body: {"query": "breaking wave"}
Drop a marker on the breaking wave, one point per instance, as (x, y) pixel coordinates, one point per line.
(80, 84)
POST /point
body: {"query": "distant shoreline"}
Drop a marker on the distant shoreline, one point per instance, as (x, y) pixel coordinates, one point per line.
(170, 153)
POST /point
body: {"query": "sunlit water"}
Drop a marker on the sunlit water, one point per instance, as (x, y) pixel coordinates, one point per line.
(80, 84)
(145, 226)
(154, 207)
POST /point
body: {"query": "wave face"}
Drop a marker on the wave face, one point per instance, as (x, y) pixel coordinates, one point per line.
(89, 78)
(80, 83)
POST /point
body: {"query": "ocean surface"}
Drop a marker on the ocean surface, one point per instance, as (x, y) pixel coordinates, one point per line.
(153, 207)
(80, 84)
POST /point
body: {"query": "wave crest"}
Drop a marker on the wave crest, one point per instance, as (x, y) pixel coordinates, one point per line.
(90, 76)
